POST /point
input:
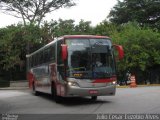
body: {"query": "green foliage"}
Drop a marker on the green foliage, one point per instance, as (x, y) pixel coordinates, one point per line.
(17, 40)
(8, 47)
(32, 37)
(105, 28)
(62, 27)
(67, 27)
(13, 42)
(83, 28)
(140, 46)
(145, 12)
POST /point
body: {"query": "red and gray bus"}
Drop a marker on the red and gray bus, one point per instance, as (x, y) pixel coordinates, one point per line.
(74, 65)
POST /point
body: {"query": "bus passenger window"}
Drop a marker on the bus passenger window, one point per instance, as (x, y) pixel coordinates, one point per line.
(52, 53)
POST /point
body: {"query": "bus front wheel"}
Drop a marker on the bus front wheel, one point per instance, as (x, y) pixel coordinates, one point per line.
(94, 98)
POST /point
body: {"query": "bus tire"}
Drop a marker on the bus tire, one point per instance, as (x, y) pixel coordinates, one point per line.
(34, 90)
(94, 98)
(56, 98)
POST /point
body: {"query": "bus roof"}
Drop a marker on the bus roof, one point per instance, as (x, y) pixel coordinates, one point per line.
(84, 36)
(69, 37)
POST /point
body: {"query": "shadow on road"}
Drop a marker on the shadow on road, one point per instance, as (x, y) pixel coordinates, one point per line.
(74, 101)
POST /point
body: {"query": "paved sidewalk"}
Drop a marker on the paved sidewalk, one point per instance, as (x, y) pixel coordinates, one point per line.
(127, 86)
(14, 88)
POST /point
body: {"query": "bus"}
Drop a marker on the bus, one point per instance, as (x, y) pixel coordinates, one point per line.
(74, 66)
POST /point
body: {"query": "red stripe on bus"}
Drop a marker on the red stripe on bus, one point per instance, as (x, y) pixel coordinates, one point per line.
(104, 80)
(84, 36)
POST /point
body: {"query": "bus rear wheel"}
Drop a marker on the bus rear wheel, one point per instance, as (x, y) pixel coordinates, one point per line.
(93, 98)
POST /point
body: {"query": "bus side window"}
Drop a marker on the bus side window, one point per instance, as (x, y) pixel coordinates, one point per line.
(41, 58)
(59, 58)
(52, 53)
(60, 65)
(46, 55)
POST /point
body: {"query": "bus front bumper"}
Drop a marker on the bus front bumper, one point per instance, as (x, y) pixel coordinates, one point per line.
(97, 91)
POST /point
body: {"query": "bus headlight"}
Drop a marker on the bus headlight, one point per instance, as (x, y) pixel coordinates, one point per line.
(114, 82)
(72, 83)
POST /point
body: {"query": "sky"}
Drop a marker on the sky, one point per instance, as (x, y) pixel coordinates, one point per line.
(89, 10)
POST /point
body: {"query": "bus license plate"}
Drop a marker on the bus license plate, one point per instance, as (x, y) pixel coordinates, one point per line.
(93, 91)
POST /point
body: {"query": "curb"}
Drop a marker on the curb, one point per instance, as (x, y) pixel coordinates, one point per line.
(15, 88)
(127, 86)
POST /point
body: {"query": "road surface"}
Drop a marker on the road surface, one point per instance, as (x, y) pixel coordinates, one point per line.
(127, 101)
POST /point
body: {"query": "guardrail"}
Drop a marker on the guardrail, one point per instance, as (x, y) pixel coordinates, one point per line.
(22, 83)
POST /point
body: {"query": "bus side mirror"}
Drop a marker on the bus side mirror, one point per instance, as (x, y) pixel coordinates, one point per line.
(64, 52)
(120, 51)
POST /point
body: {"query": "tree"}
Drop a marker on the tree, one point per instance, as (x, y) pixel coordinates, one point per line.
(62, 27)
(32, 10)
(141, 46)
(9, 42)
(84, 27)
(105, 28)
(145, 12)
(10, 49)
(67, 27)
(13, 40)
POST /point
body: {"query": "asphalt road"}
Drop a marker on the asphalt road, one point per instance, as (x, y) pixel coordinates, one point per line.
(127, 101)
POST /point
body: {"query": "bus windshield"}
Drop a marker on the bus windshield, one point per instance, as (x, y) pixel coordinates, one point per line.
(90, 58)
